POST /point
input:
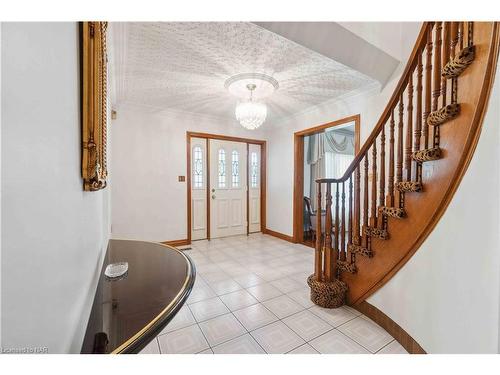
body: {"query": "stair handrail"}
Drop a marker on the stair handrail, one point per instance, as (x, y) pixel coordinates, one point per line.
(400, 88)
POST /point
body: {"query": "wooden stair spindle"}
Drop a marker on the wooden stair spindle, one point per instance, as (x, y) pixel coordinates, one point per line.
(470, 33)
(390, 183)
(318, 255)
(381, 193)
(373, 204)
(453, 46)
(418, 118)
(460, 35)
(453, 39)
(357, 207)
(365, 199)
(428, 87)
(343, 228)
(409, 130)
(437, 81)
(329, 253)
(350, 233)
(445, 57)
(336, 227)
(399, 162)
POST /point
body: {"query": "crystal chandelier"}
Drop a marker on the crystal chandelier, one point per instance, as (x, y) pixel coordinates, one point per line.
(251, 114)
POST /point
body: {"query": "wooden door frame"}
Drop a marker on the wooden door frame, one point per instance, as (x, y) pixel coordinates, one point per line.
(248, 141)
(298, 168)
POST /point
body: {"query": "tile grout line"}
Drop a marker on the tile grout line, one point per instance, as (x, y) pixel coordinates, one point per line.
(385, 346)
(352, 338)
(203, 333)
(260, 258)
(245, 328)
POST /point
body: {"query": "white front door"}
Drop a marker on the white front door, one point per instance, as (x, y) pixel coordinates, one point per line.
(254, 187)
(198, 188)
(228, 188)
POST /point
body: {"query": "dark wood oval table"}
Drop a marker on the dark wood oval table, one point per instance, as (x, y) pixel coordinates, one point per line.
(129, 312)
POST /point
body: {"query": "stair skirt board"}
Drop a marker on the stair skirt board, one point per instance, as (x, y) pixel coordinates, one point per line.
(394, 329)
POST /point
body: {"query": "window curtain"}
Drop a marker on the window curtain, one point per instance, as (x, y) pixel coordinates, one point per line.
(328, 155)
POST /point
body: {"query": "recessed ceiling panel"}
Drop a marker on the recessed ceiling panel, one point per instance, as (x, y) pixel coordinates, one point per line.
(183, 66)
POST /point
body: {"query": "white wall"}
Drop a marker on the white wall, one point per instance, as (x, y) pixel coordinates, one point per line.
(447, 295)
(53, 233)
(148, 201)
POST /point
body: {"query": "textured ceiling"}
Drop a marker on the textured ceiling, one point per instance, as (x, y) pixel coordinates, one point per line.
(183, 66)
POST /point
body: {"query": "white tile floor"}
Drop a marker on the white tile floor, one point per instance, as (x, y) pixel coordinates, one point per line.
(251, 297)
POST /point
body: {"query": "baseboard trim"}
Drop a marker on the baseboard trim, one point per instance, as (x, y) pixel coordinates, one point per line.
(391, 327)
(174, 243)
(278, 235)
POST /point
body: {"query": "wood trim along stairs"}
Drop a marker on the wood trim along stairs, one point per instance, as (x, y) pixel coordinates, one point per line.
(431, 126)
(394, 329)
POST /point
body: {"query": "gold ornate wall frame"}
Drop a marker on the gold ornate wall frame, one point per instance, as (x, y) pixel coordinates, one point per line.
(94, 104)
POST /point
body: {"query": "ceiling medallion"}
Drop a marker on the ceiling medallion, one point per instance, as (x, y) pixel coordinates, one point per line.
(250, 89)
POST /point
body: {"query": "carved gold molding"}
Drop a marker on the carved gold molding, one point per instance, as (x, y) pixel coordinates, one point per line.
(94, 105)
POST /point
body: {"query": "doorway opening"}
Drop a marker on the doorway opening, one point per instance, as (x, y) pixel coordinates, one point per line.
(323, 151)
(226, 186)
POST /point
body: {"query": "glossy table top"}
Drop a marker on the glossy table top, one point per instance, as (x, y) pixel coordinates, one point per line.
(129, 312)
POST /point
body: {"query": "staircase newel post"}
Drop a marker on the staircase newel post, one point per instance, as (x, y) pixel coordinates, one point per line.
(326, 289)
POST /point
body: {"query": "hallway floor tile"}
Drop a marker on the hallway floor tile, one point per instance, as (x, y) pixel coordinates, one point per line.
(251, 296)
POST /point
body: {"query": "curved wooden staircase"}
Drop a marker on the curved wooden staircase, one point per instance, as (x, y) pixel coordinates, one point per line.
(403, 178)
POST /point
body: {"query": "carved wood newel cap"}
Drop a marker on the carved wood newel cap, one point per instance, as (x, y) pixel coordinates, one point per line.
(94, 104)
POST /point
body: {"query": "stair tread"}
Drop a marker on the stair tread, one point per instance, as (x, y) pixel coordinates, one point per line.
(443, 114)
(346, 266)
(361, 250)
(457, 66)
(395, 212)
(409, 186)
(376, 232)
(428, 154)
